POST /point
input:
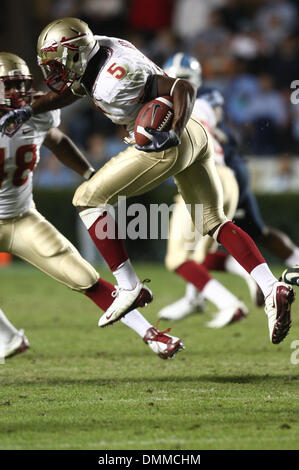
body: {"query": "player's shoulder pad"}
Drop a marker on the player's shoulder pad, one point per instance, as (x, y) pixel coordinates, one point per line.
(109, 41)
(114, 77)
(204, 111)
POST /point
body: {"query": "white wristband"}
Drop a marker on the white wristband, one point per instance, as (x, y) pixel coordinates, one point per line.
(172, 88)
(89, 173)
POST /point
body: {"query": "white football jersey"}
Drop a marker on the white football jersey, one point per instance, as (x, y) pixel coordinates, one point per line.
(204, 112)
(19, 156)
(121, 81)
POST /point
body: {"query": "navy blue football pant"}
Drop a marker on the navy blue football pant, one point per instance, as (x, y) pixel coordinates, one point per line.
(250, 217)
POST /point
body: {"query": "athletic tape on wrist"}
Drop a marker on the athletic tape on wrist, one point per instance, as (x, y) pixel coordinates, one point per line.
(172, 88)
(89, 173)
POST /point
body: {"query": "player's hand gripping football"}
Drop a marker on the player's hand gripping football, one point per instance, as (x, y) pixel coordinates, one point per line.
(13, 120)
(162, 140)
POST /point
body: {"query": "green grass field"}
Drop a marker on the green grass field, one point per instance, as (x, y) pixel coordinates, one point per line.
(82, 387)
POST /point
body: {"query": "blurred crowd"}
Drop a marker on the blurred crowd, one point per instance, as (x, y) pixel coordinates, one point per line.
(249, 49)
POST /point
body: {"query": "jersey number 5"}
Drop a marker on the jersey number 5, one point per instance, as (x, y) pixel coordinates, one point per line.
(117, 71)
(25, 162)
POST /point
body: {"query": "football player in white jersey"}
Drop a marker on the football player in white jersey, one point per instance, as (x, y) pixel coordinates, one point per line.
(24, 232)
(279, 243)
(119, 79)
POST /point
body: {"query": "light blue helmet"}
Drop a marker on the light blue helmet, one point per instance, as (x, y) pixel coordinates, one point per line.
(212, 95)
(184, 66)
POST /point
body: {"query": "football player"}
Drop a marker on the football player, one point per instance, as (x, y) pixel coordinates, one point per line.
(208, 108)
(182, 65)
(277, 242)
(119, 79)
(24, 232)
(187, 263)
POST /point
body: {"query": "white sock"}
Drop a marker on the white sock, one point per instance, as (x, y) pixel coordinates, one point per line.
(264, 278)
(191, 291)
(7, 330)
(218, 295)
(125, 275)
(293, 259)
(231, 265)
(89, 216)
(137, 322)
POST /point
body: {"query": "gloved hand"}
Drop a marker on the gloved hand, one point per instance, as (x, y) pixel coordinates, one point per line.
(13, 120)
(162, 140)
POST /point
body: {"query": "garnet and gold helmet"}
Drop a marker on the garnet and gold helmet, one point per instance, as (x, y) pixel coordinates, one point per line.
(15, 82)
(64, 48)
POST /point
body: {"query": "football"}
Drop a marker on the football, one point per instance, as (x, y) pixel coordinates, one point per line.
(157, 114)
(291, 276)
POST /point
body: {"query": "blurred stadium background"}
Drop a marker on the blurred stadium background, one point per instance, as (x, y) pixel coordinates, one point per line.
(249, 49)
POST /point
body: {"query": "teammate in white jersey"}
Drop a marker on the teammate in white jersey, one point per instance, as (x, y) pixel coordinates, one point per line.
(24, 232)
(119, 79)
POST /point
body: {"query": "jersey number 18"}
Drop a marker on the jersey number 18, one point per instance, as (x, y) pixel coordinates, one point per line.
(25, 159)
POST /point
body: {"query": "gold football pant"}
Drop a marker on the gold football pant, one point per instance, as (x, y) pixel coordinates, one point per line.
(178, 246)
(32, 238)
(132, 173)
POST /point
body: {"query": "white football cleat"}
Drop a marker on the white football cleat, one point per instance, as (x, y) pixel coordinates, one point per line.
(182, 308)
(18, 344)
(229, 315)
(278, 310)
(164, 345)
(125, 301)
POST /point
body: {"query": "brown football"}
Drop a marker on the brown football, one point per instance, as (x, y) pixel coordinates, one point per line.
(157, 114)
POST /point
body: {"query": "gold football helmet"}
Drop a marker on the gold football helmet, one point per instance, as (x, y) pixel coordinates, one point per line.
(15, 82)
(64, 48)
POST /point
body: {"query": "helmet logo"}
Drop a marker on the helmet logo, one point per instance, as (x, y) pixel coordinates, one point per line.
(64, 42)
